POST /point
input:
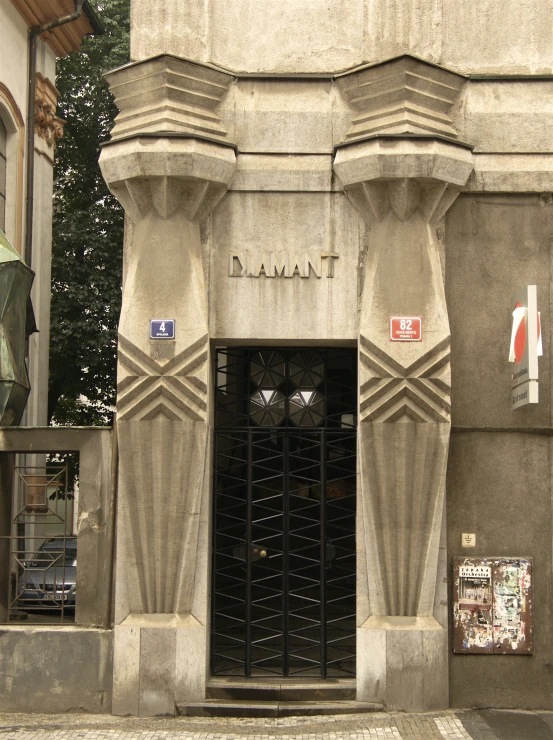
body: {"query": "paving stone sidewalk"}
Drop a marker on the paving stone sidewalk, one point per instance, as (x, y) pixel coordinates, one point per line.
(456, 725)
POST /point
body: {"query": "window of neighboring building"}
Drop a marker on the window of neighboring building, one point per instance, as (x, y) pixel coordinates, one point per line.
(3, 149)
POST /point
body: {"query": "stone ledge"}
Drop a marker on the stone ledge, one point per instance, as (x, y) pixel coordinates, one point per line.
(511, 173)
(390, 158)
(167, 157)
(284, 172)
(160, 620)
(401, 623)
(493, 172)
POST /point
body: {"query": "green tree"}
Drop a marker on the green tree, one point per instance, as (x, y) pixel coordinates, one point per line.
(87, 232)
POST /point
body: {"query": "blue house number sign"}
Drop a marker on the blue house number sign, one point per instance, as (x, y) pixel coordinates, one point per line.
(162, 328)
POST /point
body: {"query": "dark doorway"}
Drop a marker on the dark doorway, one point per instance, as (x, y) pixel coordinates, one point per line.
(284, 513)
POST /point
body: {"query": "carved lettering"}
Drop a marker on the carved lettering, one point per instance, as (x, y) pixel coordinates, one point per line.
(265, 268)
(235, 266)
(330, 256)
(279, 264)
(250, 266)
(296, 266)
(314, 263)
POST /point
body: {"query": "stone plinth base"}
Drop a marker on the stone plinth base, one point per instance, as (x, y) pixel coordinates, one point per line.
(158, 661)
(402, 663)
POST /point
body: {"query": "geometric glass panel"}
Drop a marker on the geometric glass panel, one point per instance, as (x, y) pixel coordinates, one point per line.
(267, 369)
(267, 407)
(306, 408)
(306, 369)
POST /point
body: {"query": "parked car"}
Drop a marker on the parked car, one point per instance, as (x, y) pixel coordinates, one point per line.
(50, 576)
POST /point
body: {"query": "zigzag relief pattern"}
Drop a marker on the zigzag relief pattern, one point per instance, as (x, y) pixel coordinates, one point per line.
(176, 388)
(420, 392)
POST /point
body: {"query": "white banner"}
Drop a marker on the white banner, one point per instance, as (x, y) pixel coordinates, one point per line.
(525, 347)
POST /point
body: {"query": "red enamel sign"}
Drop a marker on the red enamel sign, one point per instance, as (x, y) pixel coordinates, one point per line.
(405, 328)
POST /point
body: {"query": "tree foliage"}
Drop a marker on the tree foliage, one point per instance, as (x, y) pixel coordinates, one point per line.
(87, 232)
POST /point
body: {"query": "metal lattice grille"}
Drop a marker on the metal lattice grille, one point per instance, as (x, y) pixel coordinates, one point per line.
(40, 554)
(284, 514)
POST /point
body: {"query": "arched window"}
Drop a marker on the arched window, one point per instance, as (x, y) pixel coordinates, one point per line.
(3, 167)
(12, 147)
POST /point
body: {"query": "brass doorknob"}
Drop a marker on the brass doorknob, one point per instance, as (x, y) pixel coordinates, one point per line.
(263, 553)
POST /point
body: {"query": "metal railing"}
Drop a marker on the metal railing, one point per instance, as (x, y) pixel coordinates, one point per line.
(42, 546)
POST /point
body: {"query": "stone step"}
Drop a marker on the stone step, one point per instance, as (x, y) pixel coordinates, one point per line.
(217, 708)
(271, 690)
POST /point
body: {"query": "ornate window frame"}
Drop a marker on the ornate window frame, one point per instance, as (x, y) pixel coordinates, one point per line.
(15, 148)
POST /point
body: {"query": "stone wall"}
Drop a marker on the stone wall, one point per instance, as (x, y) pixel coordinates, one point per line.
(499, 483)
(55, 669)
(322, 36)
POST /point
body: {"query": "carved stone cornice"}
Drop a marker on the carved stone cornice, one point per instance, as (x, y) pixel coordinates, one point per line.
(168, 94)
(440, 167)
(403, 95)
(47, 125)
(167, 173)
(168, 148)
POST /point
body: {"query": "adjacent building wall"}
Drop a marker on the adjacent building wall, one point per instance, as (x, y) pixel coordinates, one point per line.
(499, 483)
(16, 19)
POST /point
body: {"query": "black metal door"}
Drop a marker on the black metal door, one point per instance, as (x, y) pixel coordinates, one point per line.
(284, 513)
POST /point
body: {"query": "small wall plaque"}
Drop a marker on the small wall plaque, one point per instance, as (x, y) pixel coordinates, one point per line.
(405, 328)
(162, 328)
(468, 540)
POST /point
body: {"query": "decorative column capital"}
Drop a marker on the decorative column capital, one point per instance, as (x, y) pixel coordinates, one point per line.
(168, 149)
(403, 174)
(167, 94)
(165, 174)
(405, 95)
(388, 158)
(402, 132)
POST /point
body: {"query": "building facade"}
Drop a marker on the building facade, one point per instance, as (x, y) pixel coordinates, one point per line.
(330, 206)
(27, 162)
(34, 35)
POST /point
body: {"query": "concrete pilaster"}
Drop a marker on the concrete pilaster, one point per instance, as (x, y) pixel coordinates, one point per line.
(402, 186)
(167, 186)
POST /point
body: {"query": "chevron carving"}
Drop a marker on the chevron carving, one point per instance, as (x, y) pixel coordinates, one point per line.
(419, 392)
(176, 389)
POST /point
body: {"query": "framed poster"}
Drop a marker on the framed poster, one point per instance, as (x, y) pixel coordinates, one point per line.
(492, 606)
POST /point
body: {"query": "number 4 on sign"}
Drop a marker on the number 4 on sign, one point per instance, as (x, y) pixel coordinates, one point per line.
(162, 328)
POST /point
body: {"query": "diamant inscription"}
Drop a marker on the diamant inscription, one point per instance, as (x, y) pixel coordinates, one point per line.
(279, 264)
